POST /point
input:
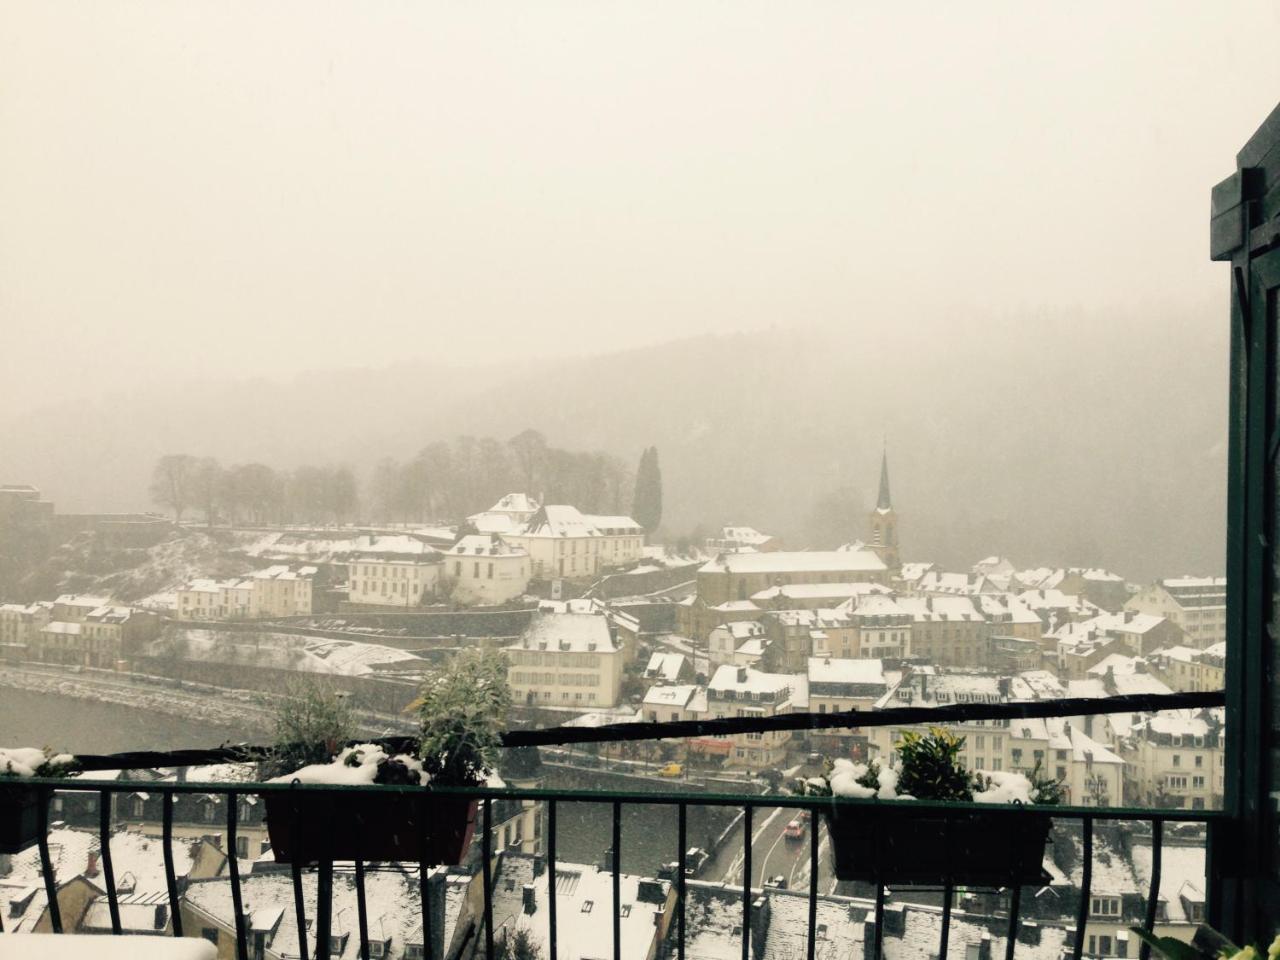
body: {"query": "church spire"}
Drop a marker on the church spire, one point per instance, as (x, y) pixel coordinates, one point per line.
(883, 502)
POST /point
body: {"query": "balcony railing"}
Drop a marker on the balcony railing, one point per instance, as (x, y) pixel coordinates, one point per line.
(1218, 826)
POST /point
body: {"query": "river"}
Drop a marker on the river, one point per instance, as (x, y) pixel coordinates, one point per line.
(74, 725)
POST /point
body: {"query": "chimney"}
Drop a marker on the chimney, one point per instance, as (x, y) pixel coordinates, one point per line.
(539, 864)
(530, 898)
(895, 920)
(742, 674)
(162, 916)
(1029, 933)
(984, 946)
(651, 891)
(91, 868)
(869, 938)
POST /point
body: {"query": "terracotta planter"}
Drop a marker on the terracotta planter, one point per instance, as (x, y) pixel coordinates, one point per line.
(309, 827)
(895, 844)
(20, 817)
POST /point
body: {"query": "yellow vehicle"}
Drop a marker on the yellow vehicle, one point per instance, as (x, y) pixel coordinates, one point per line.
(672, 770)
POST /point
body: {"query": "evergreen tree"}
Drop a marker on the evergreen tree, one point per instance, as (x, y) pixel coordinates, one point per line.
(646, 506)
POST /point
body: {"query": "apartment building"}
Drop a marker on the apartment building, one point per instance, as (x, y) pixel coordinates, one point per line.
(884, 627)
(725, 640)
(393, 583)
(947, 631)
(484, 568)
(276, 591)
(99, 637)
(739, 691)
(1196, 604)
(566, 660)
(1189, 669)
(20, 626)
(621, 539)
(1177, 760)
(560, 542)
(742, 540)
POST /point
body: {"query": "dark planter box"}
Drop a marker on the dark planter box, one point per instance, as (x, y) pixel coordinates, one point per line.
(897, 844)
(312, 827)
(20, 817)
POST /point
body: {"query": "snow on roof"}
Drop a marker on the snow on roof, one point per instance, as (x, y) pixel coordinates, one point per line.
(819, 591)
(740, 629)
(63, 627)
(614, 524)
(566, 632)
(1177, 724)
(495, 523)
(1218, 650)
(934, 609)
(672, 696)
(1189, 582)
(732, 605)
(289, 651)
(744, 535)
(485, 545)
(1126, 621)
(1005, 608)
(814, 561)
(391, 893)
(665, 666)
(914, 571)
(1044, 684)
(558, 521)
(584, 907)
(515, 503)
(82, 600)
(827, 670)
(1112, 871)
(751, 680)
(137, 861)
(140, 913)
(313, 547)
(1182, 875)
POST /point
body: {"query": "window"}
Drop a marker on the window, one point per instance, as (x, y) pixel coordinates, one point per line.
(1106, 906)
(1199, 759)
(1177, 760)
(587, 905)
(1100, 946)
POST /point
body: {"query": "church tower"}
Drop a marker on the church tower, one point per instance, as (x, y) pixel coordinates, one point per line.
(884, 521)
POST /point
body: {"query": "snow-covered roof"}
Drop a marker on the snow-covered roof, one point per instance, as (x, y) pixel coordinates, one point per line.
(750, 680)
(567, 632)
(748, 535)
(861, 672)
(289, 651)
(1182, 876)
(679, 695)
(818, 591)
(557, 521)
(730, 606)
(940, 609)
(665, 666)
(63, 627)
(482, 545)
(613, 524)
(813, 561)
(392, 898)
(515, 503)
(740, 629)
(584, 907)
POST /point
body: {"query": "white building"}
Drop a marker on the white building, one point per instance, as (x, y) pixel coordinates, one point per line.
(393, 583)
(682, 701)
(745, 692)
(1196, 604)
(1177, 759)
(508, 515)
(621, 539)
(723, 642)
(566, 660)
(277, 591)
(486, 569)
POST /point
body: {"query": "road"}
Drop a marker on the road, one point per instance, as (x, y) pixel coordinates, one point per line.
(772, 853)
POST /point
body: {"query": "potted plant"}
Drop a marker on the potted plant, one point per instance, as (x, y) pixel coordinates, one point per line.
(1208, 944)
(888, 843)
(462, 711)
(19, 803)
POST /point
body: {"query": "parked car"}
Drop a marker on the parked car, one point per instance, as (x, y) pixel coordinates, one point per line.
(778, 882)
(794, 830)
(671, 770)
(695, 859)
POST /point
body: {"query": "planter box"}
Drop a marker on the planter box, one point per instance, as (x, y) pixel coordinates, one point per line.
(887, 843)
(309, 827)
(20, 817)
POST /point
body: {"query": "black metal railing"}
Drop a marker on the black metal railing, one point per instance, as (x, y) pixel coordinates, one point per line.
(1217, 825)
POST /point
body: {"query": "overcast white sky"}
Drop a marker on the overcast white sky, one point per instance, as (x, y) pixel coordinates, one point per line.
(245, 188)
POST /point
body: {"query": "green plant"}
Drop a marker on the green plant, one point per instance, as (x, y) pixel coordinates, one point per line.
(931, 768)
(1047, 790)
(312, 722)
(866, 776)
(1208, 943)
(463, 711)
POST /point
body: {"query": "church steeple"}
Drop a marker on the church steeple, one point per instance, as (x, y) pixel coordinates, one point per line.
(883, 503)
(884, 521)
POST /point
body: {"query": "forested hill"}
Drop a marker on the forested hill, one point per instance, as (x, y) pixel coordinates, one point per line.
(1052, 440)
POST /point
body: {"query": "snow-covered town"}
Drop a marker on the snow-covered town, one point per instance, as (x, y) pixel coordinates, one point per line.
(633, 481)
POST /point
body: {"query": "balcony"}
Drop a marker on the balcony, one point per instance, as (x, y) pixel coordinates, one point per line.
(605, 907)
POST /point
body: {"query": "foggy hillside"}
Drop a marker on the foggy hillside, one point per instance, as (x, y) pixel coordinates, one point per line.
(1058, 439)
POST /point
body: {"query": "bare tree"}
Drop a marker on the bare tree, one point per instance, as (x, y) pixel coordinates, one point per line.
(173, 482)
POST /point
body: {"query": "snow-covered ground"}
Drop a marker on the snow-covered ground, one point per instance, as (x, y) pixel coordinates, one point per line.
(287, 651)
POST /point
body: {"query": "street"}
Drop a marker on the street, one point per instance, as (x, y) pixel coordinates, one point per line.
(772, 853)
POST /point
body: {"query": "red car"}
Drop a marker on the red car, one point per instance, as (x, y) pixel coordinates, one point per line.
(793, 830)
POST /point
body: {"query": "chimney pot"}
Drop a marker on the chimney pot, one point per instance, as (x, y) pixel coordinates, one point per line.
(530, 898)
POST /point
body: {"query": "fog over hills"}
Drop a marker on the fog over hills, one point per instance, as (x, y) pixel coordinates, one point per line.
(1053, 439)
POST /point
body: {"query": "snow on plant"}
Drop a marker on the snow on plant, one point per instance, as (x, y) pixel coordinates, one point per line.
(361, 764)
(16, 762)
(463, 711)
(928, 768)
